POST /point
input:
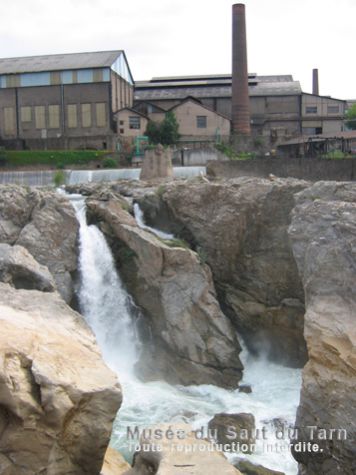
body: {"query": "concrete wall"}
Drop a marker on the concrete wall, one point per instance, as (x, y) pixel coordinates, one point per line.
(196, 157)
(304, 168)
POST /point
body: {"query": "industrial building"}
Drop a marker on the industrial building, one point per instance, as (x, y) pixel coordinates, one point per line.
(63, 100)
(273, 107)
(90, 100)
(278, 107)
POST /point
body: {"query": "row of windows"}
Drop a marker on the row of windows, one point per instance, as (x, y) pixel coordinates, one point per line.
(48, 117)
(314, 109)
(54, 78)
(135, 122)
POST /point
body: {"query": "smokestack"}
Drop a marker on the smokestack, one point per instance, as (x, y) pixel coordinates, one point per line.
(315, 82)
(240, 100)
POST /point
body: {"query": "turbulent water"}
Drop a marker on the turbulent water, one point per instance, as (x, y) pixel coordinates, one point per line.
(109, 310)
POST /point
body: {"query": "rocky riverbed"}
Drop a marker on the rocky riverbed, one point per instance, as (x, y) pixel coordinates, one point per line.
(271, 259)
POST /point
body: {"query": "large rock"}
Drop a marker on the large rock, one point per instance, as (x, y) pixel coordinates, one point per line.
(58, 400)
(44, 223)
(179, 455)
(239, 227)
(19, 269)
(239, 428)
(193, 342)
(323, 233)
(248, 468)
(114, 463)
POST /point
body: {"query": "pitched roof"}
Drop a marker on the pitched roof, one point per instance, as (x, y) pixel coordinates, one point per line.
(57, 62)
(131, 110)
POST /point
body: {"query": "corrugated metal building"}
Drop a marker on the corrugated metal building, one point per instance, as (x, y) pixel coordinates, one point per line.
(63, 100)
(279, 108)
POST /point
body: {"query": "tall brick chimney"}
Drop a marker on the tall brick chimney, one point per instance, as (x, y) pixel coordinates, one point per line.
(240, 99)
(315, 82)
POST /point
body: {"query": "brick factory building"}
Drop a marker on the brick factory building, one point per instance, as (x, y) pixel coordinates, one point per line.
(63, 101)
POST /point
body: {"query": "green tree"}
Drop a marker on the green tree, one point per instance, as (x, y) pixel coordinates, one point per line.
(165, 133)
(351, 117)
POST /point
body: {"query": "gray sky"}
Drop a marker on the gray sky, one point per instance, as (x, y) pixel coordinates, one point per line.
(185, 37)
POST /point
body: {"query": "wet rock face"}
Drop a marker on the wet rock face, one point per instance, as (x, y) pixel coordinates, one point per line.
(192, 341)
(44, 223)
(58, 400)
(239, 227)
(323, 234)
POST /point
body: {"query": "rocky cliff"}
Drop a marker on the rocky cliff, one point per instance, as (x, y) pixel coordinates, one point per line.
(239, 227)
(323, 233)
(192, 341)
(44, 223)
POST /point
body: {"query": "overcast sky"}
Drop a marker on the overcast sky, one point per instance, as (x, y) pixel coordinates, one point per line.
(186, 37)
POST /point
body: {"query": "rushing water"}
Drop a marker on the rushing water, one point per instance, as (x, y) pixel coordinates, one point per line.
(109, 310)
(140, 220)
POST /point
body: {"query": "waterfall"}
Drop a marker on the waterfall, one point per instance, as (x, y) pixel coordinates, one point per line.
(109, 311)
(103, 300)
(140, 220)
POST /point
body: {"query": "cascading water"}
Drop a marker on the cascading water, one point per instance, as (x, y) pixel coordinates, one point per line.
(108, 309)
(140, 220)
(103, 300)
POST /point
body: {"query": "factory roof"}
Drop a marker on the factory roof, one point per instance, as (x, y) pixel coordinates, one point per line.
(213, 86)
(57, 62)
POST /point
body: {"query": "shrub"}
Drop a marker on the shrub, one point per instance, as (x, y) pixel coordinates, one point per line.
(109, 163)
(59, 178)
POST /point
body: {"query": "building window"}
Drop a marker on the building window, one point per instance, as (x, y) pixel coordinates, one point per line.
(122, 131)
(121, 122)
(9, 120)
(85, 75)
(72, 118)
(311, 109)
(100, 110)
(134, 122)
(26, 115)
(53, 112)
(35, 79)
(86, 115)
(40, 117)
(202, 121)
(333, 109)
(67, 77)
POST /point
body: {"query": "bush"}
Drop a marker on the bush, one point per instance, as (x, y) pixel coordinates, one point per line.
(109, 163)
(59, 178)
(335, 155)
(166, 132)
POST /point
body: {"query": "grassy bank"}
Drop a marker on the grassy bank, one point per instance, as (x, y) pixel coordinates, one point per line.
(50, 158)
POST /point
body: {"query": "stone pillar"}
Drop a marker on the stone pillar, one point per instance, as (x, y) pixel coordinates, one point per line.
(157, 163)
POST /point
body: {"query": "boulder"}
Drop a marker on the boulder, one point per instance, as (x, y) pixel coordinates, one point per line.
(114, 463)
(58, 399)
(248, 468)
(323, 235)
(19, 269)
(44, 223)
(239, 227)
(245, 388)
(239, 428)
(188, 455)
(192, 341)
